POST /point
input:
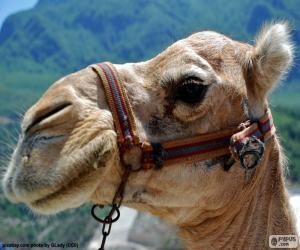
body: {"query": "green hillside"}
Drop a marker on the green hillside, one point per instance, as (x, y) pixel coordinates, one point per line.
(18, 225)
(58, 37)
(63, 36)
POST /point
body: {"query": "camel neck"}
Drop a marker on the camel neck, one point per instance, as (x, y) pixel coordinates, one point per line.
(247, 221)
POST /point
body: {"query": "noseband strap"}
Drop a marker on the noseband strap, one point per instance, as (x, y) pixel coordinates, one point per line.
(119, 105)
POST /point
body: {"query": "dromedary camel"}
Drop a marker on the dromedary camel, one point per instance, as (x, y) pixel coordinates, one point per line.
(68, 154)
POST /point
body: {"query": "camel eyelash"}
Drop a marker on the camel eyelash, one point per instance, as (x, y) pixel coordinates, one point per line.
(168, 81)
(190, 80)
(171, 83)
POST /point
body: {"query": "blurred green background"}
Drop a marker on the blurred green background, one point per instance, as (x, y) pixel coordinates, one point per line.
(56, 37)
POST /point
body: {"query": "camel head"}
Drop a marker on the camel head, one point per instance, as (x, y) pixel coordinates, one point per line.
(67, 153)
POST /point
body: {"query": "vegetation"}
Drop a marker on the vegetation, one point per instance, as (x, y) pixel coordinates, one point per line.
(288, 129)
(19, 225)
(57, 37)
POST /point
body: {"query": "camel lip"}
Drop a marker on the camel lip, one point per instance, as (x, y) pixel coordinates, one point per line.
(17, 198)
(52, 197)
(45, 198)
(34, 196)
(12, 197)
(41, 204)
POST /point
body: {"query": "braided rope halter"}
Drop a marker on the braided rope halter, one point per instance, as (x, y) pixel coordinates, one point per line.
(232, 141)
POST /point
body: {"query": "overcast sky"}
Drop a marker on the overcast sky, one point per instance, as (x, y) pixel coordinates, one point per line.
(8, 7)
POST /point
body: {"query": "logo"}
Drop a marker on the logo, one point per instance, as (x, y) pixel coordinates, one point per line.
(283, 241)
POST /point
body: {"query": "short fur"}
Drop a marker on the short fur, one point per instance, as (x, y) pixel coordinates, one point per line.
(72, 157)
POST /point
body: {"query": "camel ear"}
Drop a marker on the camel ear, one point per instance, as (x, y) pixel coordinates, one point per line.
(272, 56)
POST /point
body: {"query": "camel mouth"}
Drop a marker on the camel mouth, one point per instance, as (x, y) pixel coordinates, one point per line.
(21, 190)
(60, 191)
(70, 195)
(47, 189)
(43, 199)
(39, 204)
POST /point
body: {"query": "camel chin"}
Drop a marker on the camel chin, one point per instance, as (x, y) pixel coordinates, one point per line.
(54, 199)
(70, 196)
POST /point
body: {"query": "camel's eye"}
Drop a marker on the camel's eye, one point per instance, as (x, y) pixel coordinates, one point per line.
(191, 91)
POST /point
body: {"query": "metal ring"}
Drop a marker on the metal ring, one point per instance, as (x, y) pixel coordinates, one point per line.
(256, 153)
(105, 221)
(253, 153)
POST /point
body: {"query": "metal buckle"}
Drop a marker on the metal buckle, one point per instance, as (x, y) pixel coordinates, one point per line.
(251, 152)
(158, 155)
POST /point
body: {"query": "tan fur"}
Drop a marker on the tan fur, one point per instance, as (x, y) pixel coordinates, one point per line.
(212, 208)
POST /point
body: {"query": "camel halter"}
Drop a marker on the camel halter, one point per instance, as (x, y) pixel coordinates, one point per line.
(244, 143)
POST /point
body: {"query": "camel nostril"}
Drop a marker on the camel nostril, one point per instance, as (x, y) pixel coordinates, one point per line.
(46, 114)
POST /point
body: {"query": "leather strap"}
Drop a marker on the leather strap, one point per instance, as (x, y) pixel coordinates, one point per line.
(201, 147)
(119, 105)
